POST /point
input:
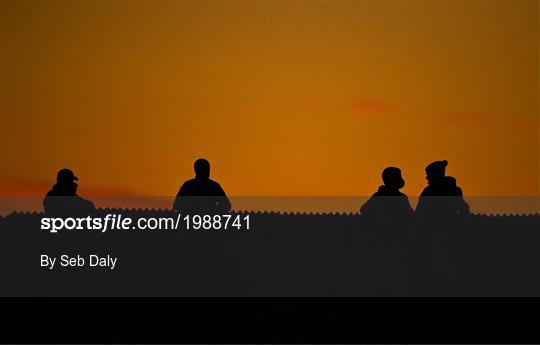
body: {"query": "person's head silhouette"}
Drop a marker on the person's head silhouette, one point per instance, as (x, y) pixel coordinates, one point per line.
(71, 187)
(392, 178)
(436, 170)
(65, 182)
(202, 169)
(65, 176)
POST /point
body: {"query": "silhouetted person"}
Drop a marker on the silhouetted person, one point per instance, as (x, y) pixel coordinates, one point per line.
(442, 197)
(201, 194)
(388, 202)
(62, 199)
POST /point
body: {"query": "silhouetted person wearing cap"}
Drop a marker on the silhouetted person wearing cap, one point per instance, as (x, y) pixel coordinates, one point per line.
(388, 203)
(201, 194)
(62, 199)
(442, 197)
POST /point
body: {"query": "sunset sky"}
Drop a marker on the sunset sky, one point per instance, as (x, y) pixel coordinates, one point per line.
(282, 98)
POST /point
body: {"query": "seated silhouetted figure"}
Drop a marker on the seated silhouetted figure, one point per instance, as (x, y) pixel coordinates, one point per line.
(201, 194)
(388, 203)
(442, 197)
(62, 200)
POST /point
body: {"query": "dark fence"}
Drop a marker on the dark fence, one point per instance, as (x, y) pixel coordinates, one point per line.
(300, 254)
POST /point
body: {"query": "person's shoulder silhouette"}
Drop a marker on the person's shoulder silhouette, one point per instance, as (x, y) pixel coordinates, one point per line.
(388, 202)
(451, 186)
(62, 199)
(201, 194)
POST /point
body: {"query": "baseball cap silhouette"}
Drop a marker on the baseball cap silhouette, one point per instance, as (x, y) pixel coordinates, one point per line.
(65, 175)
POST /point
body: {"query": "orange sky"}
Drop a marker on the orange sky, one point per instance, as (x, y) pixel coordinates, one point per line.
(282, 98)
